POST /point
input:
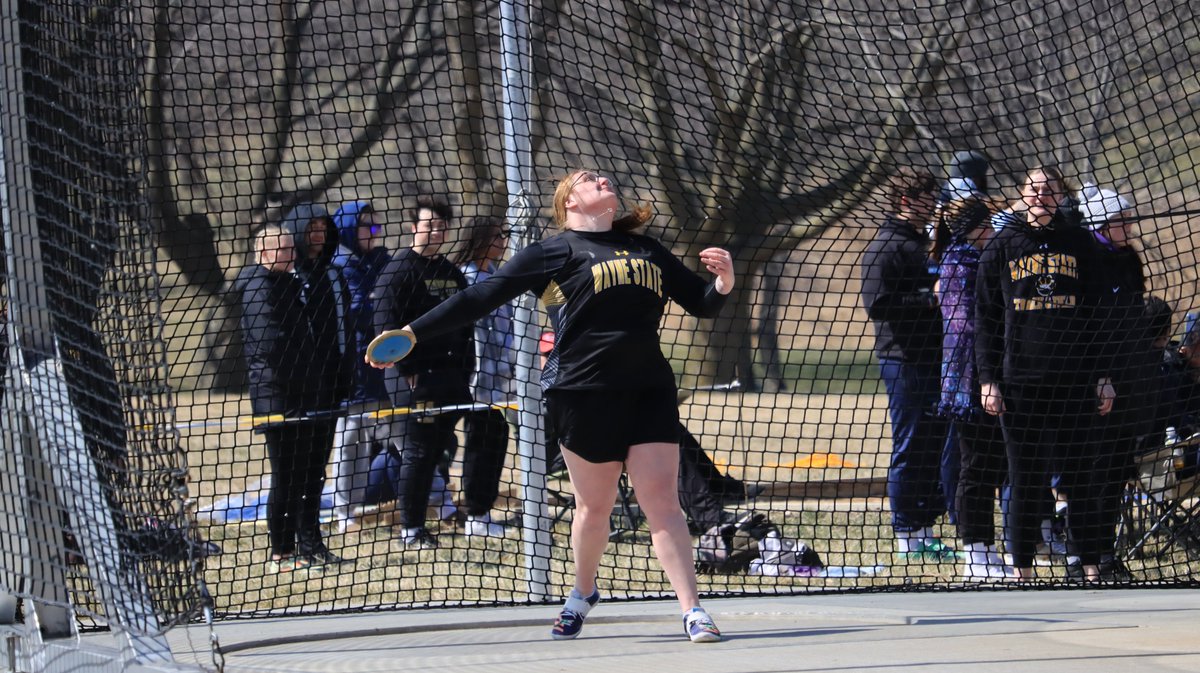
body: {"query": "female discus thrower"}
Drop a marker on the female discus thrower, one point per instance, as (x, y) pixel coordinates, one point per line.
(610, 393)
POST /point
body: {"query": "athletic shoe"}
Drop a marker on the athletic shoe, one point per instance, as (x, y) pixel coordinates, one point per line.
(322, 556)
(417, 538)
(1050, 553)
(575, 610)
(985, 572)
(483, 526)
(699, 627)
(1075, 571)
(288, 564)
(931, 550)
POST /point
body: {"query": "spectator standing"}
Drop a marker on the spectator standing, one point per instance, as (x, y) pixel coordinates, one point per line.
(967, 176)
(486, 431)
(898, 295)
(437, 372)
(330, 365)
(1038, 359)
(278, 340)
(1108, 464)
(360, 258)
(963, 230)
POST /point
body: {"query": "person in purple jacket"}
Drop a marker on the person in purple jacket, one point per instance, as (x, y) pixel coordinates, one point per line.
(962, 231)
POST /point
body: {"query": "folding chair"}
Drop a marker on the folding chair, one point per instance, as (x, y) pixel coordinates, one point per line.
(1160, 506)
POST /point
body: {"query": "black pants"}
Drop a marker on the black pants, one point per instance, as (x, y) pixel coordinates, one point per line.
(1093, 479)
(483, 459)
(298, 453)
(1042, 425)
(422, 442)
(983, 471)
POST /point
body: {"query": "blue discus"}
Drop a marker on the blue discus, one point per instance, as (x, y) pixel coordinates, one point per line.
(391, 346)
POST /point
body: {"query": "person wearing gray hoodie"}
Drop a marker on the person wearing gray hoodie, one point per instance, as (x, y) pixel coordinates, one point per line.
(359, 258)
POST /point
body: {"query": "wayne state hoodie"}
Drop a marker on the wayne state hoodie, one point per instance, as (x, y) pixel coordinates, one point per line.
(1036, 297)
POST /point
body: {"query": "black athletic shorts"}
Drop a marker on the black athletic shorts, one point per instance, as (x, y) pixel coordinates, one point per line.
(601, 425)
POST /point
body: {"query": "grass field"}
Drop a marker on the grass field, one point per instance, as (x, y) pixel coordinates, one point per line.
(786, 440)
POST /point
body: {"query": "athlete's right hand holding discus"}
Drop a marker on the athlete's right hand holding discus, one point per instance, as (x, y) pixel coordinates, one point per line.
(719, 263)
(390, 347)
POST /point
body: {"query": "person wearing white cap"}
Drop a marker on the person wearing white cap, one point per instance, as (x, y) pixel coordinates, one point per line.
(1110, 217)
(1104, 208)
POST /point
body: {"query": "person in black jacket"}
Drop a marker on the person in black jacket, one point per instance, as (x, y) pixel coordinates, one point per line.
(897, 293)
(278, 342)
(610, 392)
(1039, 360)
(1101, 471)
(438, 371)
(330, 364)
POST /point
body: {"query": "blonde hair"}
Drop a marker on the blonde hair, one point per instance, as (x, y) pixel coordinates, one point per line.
(638, 217)
(266, 232)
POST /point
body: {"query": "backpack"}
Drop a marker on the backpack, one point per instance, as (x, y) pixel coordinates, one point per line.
(729, 548)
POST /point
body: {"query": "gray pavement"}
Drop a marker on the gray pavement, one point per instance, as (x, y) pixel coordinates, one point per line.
(1063, 631)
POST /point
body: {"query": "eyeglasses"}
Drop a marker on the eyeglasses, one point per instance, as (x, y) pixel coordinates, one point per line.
(588, 176)
(376, 229)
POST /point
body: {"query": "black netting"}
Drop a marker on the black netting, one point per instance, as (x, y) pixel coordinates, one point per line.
(82, 291)
(1033, 159)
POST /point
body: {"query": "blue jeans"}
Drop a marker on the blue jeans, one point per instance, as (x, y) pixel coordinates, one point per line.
(914, 484)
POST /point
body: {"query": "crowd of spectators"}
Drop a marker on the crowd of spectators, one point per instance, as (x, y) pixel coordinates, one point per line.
(1026, 367)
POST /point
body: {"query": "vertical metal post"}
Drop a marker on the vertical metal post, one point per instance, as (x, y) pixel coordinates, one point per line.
(26, 328)
(42, 432)
(531, 451)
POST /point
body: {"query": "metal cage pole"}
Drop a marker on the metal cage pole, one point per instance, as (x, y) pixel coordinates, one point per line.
(48, 455)
(536, 523)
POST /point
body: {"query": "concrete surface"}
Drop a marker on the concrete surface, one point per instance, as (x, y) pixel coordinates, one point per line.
(1059, 631)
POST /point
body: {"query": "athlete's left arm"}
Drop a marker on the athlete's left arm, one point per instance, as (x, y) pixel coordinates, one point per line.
(527, 269)
(689, 290)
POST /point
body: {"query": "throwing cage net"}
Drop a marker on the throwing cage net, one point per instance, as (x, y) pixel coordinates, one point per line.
(926, 205)
(96, 530)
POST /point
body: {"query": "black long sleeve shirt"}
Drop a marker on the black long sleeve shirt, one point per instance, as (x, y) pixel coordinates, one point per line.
(605, 293)
(441, 365)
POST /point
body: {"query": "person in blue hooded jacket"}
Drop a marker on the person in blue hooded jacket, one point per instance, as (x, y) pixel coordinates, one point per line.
(360, 257)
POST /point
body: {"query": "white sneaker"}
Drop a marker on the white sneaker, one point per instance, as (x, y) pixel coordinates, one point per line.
(483, 526)
(985, 572)
(699, 627)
